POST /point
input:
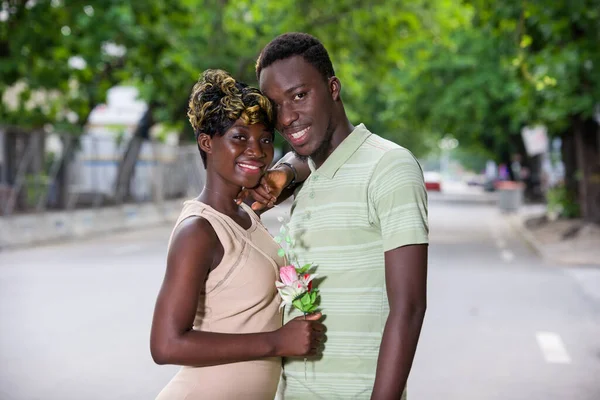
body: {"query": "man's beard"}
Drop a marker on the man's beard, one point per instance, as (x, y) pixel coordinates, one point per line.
(299, 156)
(323, 149)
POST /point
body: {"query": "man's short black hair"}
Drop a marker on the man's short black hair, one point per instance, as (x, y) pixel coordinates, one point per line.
(296, 44)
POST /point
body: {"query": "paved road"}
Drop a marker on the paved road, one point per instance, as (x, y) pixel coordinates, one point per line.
(501, 323)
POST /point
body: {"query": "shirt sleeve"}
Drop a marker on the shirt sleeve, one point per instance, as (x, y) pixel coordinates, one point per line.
(398, 200)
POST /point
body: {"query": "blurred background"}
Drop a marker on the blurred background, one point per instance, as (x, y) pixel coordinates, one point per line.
(500, 101)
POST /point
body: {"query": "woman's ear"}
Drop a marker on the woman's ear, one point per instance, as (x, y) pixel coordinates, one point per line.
(335, 87)
(205, 143)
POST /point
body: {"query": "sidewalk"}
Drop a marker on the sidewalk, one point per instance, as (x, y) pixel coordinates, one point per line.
(27, 230)
(564, 241)
(30, 230)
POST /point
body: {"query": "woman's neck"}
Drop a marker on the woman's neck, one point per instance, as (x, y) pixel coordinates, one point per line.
(220, 197)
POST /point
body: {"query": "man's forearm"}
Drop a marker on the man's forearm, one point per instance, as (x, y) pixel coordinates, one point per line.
(298, 171)
(398, 347)
(300, 165)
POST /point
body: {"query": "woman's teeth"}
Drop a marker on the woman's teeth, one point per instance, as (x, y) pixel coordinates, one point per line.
(254, 167)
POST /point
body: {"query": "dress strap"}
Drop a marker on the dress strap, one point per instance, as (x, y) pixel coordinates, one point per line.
(237, 231)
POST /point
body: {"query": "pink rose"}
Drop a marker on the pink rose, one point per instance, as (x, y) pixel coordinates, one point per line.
(288, 274)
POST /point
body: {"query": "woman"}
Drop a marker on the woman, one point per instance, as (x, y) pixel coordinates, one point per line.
(217, 313)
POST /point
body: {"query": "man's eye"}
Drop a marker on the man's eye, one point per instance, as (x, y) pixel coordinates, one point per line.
(299, 96)
(267, 140)
(239, 137)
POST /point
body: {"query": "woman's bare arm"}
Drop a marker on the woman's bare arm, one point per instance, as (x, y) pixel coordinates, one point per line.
(173, 341)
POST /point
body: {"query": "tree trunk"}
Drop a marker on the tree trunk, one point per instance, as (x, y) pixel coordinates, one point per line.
(588, 166)
(9, 173)
(126, 169)
(569, 161)
(63, 174)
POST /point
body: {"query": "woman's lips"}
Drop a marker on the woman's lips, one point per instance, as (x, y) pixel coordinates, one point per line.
(250, 168)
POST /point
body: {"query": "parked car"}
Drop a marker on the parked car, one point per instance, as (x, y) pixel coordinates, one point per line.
(433, 181)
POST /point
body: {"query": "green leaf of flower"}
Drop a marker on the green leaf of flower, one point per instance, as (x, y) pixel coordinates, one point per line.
(281, 252)
(277, 239)
(305, 300)
(297, 304)
(304, 268)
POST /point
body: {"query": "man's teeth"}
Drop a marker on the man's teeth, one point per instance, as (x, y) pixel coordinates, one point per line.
(248, 166)
(298, 135)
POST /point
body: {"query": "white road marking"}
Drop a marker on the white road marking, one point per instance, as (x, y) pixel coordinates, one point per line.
(507, 255)
(553, 348)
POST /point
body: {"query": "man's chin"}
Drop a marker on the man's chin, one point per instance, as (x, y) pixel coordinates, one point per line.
(300, 153)
(300, 156)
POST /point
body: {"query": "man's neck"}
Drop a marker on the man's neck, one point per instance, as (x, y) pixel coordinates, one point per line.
(341, 132)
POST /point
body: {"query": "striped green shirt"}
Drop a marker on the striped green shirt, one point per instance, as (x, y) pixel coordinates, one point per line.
(368, 197)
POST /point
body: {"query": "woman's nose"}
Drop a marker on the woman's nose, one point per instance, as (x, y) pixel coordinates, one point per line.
(255, 148)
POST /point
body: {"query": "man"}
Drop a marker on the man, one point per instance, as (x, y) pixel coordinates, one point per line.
(361, 216)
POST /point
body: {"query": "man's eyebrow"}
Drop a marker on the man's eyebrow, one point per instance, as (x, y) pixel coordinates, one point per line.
(294, 88)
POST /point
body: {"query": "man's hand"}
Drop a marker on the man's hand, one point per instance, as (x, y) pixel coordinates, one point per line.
(269, 188)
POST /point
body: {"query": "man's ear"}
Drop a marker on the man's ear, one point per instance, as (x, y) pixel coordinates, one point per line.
(335, 87)
(205, 143)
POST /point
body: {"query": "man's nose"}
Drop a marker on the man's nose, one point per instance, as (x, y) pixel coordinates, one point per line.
(286, 116)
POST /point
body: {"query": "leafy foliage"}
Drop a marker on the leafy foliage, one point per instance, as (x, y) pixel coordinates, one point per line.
(412, 71)
(513, 64)
(74, 51)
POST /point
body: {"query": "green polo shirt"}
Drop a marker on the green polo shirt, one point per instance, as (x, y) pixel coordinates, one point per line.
(367, 198)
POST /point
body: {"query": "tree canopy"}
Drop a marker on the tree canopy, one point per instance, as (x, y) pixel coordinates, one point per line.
(412, 71)
(59, 58)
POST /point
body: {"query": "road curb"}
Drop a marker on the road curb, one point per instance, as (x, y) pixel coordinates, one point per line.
(518, 223)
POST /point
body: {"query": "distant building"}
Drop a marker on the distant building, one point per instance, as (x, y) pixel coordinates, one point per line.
(109, 129)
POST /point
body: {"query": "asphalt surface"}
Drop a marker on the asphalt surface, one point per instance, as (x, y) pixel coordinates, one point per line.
(501, 323)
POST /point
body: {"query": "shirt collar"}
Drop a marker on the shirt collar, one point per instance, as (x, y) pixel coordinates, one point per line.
(342, 153)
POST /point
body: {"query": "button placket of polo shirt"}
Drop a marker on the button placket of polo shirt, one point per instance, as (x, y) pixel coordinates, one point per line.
(315, 178)
(311, 193)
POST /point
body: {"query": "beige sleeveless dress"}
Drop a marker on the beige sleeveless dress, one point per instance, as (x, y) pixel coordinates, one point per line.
(240, 297)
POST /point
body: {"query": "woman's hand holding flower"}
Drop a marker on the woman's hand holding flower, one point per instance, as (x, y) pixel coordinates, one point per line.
(300, 337)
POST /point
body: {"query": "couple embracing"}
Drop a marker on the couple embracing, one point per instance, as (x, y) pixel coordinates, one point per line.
(359, 212)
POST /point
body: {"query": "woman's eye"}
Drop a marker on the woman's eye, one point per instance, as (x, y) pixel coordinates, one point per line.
(299, 96)
(239, 137)
(267, 140)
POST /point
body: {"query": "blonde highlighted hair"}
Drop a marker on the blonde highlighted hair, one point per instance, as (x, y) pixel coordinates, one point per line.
(218, 100)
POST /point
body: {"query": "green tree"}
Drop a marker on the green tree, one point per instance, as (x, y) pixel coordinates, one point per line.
(516, 64)
(560, 80)
(74, 51)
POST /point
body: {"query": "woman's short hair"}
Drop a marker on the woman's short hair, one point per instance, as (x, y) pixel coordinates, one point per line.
(218, 100)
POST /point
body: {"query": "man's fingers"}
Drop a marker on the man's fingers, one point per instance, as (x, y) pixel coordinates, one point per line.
(265, 193)
(256, 206)
(266, 187)
(261, 198)
(242, 195)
